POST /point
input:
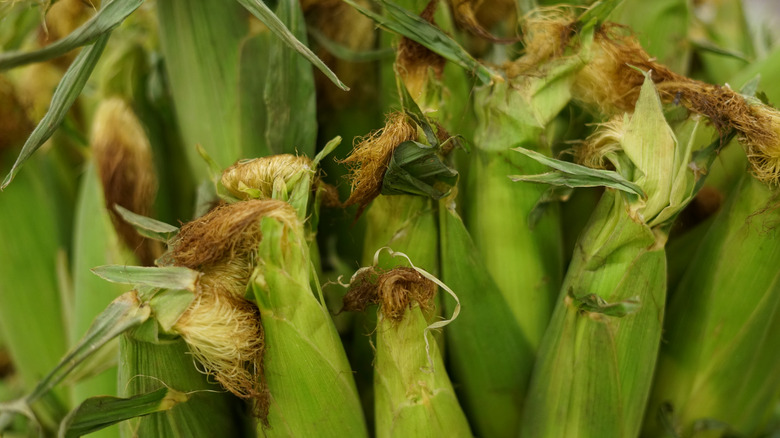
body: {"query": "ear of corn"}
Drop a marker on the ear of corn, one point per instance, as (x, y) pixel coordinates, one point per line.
(235, 305)
(485, 337)
(602, 323)
(524, 259)
(309, 381)
(721, 322)
(413, 394)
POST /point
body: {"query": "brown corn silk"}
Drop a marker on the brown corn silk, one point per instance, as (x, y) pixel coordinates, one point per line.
(369, 159)
(612, 79)
(394, 290)
(123, 157)
(221, 327)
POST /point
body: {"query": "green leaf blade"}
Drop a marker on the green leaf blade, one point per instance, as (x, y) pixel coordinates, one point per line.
(101, 24)
(167, 277)
(264, 14)
(96, 413)
(64, 96)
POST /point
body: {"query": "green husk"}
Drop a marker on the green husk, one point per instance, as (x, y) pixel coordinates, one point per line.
(97, 413)
(485, 339)
(201, 42)
(95, 243)
(257, 85)
(309, 381)
(413, 394)
(605, 393)
(524, 259)
(603, 324)
(29, 299)
(720, 324)
(210, 411)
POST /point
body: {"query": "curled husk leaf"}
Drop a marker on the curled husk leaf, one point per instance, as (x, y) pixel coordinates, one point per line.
(369, 158)
(394, 291)
(123, 157)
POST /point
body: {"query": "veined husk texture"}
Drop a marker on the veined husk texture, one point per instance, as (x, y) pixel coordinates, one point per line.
(593, 372)
(312, 390)
(718, 363)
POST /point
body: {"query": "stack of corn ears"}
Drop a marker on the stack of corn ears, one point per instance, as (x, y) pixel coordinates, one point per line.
(547, 220)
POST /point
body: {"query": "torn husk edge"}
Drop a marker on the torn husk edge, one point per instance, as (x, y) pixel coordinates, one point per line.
(223, 329)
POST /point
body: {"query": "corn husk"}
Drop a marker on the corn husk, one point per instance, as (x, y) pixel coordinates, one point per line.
(309, 381)
(485, 339)
(596, 362)
(214, 59)
(413, 394)
(210, 411)
(30, 300)
(720, 324)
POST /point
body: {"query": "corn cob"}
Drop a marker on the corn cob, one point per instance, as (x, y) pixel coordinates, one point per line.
(305, 367)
